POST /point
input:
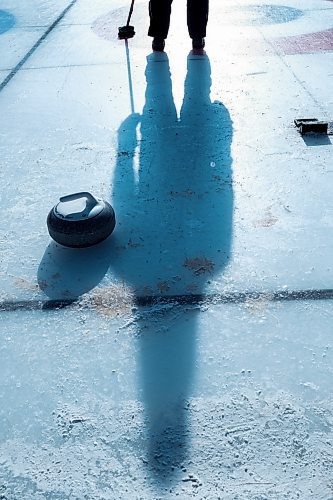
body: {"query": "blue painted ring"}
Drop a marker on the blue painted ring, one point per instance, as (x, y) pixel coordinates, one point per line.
(7, 21)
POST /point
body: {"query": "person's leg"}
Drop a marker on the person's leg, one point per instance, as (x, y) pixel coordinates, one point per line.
(197, 18)
(159, 13)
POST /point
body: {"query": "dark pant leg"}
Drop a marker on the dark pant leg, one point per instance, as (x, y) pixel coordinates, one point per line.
(197, 17)
(159, 13)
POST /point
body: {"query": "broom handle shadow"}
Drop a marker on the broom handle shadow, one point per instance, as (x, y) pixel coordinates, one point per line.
(129, 72)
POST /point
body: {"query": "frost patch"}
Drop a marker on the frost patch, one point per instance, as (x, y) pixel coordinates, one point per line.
(199, 265)
(239, 446)
(24, 284)
(113, 300)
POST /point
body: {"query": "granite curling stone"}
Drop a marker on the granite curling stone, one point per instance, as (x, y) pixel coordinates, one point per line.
(81, 220)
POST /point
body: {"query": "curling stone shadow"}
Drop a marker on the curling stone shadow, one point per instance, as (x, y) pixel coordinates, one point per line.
(66, 273)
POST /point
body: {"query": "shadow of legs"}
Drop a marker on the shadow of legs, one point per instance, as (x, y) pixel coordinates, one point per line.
(167, 360)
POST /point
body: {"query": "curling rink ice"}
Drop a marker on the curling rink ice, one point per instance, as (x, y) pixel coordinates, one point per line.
(190, 354)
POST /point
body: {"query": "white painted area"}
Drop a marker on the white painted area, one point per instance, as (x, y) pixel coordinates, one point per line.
(15, 43)
(32, 18)
(316, 75)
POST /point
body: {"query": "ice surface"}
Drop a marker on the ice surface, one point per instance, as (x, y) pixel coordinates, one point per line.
(222, 388)
(229, 400)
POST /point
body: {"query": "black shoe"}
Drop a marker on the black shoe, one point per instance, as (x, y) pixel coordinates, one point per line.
(158, 44)
(198, 43)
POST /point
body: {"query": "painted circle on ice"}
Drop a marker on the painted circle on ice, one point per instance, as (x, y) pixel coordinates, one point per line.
(107, 25)
(309, 43)
(258, 15)
(7, 21)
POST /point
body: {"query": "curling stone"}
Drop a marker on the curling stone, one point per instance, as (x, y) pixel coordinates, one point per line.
(81, 220)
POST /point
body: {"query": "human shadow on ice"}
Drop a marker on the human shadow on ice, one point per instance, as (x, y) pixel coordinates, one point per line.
(172, 192)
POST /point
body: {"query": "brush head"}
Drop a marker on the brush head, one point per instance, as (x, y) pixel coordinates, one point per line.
(125, 32)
